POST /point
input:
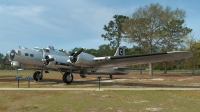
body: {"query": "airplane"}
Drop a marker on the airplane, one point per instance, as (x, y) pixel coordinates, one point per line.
(44, 59)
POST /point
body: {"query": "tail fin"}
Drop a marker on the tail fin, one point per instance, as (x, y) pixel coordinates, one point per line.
(120, 51)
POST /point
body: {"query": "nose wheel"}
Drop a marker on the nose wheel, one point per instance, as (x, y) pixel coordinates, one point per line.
(67, 78)
(37, 76)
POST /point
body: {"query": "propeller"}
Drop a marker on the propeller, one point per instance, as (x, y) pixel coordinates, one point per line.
(46, 59)
(79, 52)
(73, 57)
(10, 55)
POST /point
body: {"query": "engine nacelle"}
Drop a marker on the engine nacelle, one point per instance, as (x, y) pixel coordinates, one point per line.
(49, 63)
(83, 60)
(83, 74)
(15, 64)
(59, 60)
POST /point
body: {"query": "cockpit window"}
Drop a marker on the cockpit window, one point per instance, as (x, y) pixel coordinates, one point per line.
(47, 50)
(37, 48)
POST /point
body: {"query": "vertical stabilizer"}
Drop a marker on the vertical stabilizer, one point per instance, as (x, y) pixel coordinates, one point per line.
(120, 51)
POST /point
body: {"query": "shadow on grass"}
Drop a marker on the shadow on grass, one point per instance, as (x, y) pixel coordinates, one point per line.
(94, 83)
(128, 84)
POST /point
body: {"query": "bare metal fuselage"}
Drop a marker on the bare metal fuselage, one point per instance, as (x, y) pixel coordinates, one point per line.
(83, 63)
(32, 59)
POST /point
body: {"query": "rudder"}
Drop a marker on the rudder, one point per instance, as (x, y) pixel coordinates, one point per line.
(120, 51)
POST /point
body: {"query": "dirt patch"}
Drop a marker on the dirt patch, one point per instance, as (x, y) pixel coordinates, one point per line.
(154, 109)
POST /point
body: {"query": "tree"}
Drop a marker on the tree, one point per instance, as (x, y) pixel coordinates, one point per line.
(2, 61)
(192, 46)
(114, 33)
(105, 50)
(74, 50)
(91, 51)
(151, 26)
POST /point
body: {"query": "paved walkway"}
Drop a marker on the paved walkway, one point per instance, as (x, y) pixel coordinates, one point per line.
(97, 89)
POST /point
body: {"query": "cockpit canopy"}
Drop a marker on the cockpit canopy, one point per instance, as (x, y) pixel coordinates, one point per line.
(47, 48)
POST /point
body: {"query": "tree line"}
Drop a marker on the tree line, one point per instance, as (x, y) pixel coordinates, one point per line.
(150, 29)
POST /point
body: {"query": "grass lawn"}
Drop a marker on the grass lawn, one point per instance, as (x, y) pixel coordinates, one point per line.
(90, 101)
(98, 101)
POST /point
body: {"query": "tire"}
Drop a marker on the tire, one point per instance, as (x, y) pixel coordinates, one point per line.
(67, 78)
(37, 75)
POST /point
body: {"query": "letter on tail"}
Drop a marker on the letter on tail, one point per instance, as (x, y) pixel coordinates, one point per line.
(120, 51)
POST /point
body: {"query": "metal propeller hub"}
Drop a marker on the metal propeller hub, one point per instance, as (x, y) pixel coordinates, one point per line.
(47, 60)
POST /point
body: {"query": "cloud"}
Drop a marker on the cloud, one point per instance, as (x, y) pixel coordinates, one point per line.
(90, 17)
(28, 16)
(65, 24)
(22, 10)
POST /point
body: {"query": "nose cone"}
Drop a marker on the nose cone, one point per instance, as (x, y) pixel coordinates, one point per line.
(11, 55)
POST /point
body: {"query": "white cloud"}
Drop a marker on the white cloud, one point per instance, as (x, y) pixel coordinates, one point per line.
(28, 16)
(22, 10)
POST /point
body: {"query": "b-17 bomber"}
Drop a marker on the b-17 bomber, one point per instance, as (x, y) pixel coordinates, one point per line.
(45, 59)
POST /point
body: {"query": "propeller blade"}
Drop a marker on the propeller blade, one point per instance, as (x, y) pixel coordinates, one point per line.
(73, 57)
(43, 53)
(79, 52)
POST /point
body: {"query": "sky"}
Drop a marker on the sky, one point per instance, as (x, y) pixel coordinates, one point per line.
(66, 24)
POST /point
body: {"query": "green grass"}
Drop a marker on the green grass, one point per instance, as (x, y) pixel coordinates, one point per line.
(89, 101)
(92, 101)
(54, 80)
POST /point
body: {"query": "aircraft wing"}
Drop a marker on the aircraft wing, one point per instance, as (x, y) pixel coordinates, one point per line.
(113, 61)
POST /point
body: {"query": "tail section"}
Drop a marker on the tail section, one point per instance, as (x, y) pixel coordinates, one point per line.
(120, 51)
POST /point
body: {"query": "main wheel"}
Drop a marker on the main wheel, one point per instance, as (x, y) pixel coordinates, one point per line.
(37, 76)
(67, 78)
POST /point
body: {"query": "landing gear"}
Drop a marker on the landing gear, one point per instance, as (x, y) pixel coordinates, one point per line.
(37, 76)
(67, 78)
(111, 77)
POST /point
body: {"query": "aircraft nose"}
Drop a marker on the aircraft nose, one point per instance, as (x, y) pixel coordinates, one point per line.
(11, 55)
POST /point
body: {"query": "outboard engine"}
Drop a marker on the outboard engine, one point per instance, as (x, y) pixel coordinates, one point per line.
(81, 59)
